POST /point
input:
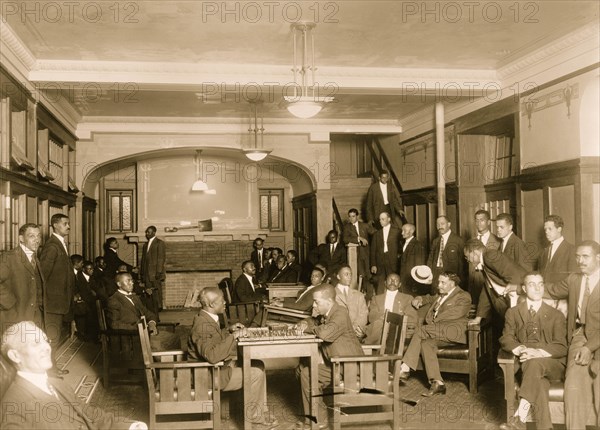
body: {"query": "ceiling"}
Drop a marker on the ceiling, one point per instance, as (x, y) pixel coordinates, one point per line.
(169, 58)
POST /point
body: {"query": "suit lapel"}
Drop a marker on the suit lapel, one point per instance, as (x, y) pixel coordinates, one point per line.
(25, 261)
(523, 312)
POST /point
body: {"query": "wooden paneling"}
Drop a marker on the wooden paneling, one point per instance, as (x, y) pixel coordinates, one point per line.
(561, 201)
(532, 231)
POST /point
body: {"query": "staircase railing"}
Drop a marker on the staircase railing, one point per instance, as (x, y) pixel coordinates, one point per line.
(338, 224)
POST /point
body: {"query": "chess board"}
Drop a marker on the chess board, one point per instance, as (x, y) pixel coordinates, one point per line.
(274, 333)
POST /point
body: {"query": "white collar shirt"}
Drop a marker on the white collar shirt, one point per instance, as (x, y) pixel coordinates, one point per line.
(384, 192)
(64, 243)
(386, 233)
(554, 246)
(390, 297)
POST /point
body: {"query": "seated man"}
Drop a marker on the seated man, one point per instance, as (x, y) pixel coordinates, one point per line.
(283, 274)
(304, 300)
(445, 324)
(332, 254)
(208, 342)
(333, 326)
(34, 400)
(537, 334)
(351, 299)
(125, 309)
(85, 299)
(292, 265)
(247, 288)
(392, 300)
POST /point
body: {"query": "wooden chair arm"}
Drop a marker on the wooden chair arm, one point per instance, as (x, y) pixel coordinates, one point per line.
(184, 365)
(506, 358)
(365, 358)
(368, 349)
(167, 353)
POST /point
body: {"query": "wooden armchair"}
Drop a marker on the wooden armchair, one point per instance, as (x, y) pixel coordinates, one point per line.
(393, 326)
(365, 382)
(182, 394)
(245, 312)
(510, 367)
(474, 359)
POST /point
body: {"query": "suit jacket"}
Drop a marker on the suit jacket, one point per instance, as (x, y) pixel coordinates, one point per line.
(453, 259)
(243, 292)
(375, 204)
(476, 279)
(153, 262)
(86, 289)
(350, 235)
(121, 314)
(113, 261)
(24, 407)
(303, 302)
(284, 276)
(500, 269)
(389, 259)
(208, 342)
(21, 287)
(454, 310)
(331, 262)
(414, 255)
(552, 330)
(570, 288)
(563, 262)
(104, 285)
(254, 258)
(356, 305)
(336, 332)
(518, 252)
(59, 277)
(402, 305)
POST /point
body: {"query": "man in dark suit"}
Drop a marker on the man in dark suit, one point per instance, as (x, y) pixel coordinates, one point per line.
(304, 300)
(412, 253)
(482, 225)
(209, 342)
(383, 197)
(333, 326)
(111, 257)
(85, 296)
(293, 265)
(392, 300)
(582, 290)
(154, 255)
(557, 260)
(21, 283)
(59, 277)
(512, 246)
(125, 309)
(247, 288)
(36, 401)
(384, 251)
(445, 324)
(104, 283)
(537, 334)
(332, 254)
(446, 253)
(259, 257)
(358, 233)
(283, 274)
(501, 275)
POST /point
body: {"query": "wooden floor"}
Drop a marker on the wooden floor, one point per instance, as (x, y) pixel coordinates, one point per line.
(456, 410)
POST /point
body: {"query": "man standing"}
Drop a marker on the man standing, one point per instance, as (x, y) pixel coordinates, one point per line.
(259, 257)
(358, 233)
(384, 251)
(485, 236)
(332, 325)
(446, 251)
(59, 278)
(21, 283)
(352, 300)
(412, 254)
(512, 246)
(36, 401)
(557, 260)
(332, 254)
(247, 288)
(445, 324)
(382, 197)
(537, 334)
(154, 254)
(582, 383)
(209, 342)
(392, 300)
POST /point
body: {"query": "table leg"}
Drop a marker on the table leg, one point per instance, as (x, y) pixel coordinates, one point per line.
(314, 384)
(246, 358)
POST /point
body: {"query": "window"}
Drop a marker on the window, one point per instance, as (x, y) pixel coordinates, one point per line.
(364, 159)
(120, 210)
(505, 166)
(271, 209)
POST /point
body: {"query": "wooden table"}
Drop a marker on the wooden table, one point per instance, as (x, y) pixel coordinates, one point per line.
(284, 290)
(281, 347)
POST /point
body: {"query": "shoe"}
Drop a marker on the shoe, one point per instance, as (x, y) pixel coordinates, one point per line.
(513, 424)
(435, 388)
(58, 372)
(403, 376)
(265, 424)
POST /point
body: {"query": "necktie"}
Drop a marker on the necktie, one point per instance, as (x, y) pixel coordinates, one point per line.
(550, 252)
(260, 259)
(51, 389)
(532, 312)
(439, 260)
(33, 262)
(437, 305)
(586, 299)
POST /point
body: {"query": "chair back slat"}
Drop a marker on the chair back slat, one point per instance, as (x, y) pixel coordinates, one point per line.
(202, 382)
(395, 336)
(183, 383)
(350, 376)
(366, 375)
(382, 376)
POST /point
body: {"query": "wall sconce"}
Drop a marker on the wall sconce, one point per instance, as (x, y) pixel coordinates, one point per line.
(567, 94)
(529, 108)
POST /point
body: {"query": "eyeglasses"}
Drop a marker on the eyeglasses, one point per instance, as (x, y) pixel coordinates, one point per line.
(534, 284)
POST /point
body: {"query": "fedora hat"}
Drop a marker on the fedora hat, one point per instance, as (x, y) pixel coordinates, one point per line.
(422, 274)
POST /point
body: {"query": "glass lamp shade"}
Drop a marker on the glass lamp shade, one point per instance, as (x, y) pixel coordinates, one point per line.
(304, 108)
(256, 154)
(200, 185)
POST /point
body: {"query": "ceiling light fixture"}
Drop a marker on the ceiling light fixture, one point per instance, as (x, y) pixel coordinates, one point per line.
(255, 153)
(304, 105)
(200, 185)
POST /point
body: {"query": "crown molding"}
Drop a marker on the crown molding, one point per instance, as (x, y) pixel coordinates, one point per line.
(89, 126)
(11, 44)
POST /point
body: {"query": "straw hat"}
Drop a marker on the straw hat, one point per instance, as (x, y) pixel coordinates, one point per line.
(422, 274)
